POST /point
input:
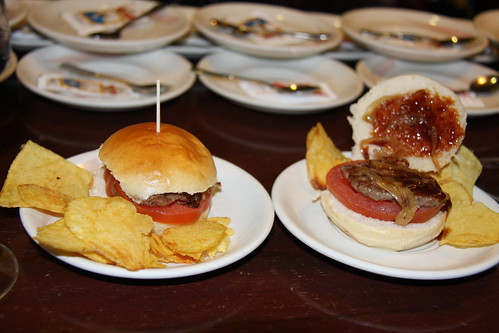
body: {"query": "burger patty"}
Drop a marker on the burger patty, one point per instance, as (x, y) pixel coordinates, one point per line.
(425, 188)
(164, 199)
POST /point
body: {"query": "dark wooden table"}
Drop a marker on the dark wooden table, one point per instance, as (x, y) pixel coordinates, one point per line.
(281, 286)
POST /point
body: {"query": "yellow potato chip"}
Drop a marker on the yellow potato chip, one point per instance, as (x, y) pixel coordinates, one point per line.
(40, 166)
(321, 155)
(464, 168)
(114, 228)
(458, 194)
(44, 198)
(165, 254)
(59, 239)
(58, 236)
(474, 225)
(194, 240)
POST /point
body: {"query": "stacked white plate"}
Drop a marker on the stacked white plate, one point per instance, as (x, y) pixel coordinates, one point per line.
(282, 18)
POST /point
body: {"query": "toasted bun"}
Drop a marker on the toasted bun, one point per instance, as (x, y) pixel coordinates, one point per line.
(146, 162)
(381, 234)
(404, 84)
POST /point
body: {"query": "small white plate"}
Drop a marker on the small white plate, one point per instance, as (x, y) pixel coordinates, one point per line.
(16, 12)
(488, 22)
(251, 213)
(146, 34)
(339, 78)
(411, 21)
(10, 67)
(285, 18)
(147, 67)
(455, 75)
(295, 202)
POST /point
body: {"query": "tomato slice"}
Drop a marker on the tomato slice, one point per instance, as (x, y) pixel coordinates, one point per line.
(173, 213)
(341, 188)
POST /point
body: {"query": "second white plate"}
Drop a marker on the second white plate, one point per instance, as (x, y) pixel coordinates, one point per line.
(146, 34)
(295, 202)
(286, 19)
(395, 20)
(339, 78)
(147, 67)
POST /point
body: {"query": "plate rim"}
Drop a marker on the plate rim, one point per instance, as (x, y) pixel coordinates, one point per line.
(300, 167)
(113, 46)
(276, 108)
(10, 67)
(414, 54)
(225, 259)
(287, 51)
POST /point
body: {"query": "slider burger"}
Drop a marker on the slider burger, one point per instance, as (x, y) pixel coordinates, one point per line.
(403, 128)
(169, 175)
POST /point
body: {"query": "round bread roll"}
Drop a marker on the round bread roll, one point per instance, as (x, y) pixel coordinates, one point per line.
(447, 119)
(146, 162)
(381, 234)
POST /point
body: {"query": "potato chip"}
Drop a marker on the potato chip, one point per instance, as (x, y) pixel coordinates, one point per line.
(473, 225)
(58, 236)
(321, 155)
(59, 239)
(114, 228)
(194, 240)
(40, 166)
(44, 198)
(165, 254)
(464, 168)
(458, 194)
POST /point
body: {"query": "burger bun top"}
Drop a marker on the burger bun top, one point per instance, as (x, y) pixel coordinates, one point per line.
(147, 162)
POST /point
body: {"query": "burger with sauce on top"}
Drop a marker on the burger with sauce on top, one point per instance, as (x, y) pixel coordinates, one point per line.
(403, 128)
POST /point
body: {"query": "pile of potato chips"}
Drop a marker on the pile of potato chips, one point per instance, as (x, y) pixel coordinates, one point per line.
(105, 230)
(468, 224)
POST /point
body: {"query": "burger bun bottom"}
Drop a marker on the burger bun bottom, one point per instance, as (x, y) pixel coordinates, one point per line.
(377, 233)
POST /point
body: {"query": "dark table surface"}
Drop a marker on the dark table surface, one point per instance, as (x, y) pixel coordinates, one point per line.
(282, 286)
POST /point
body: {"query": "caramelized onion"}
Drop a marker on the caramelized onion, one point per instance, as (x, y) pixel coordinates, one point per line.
(401, 194)
(390, 179)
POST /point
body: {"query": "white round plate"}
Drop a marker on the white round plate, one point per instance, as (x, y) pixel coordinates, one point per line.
(146, 34)
(411, 21)
(147, 67)
(251, 213)
(284, 18)
(295, 202)
(455, 75)
(10, 67)
(16, 12)
(338, 77)
(488, 22)
(347, 50)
